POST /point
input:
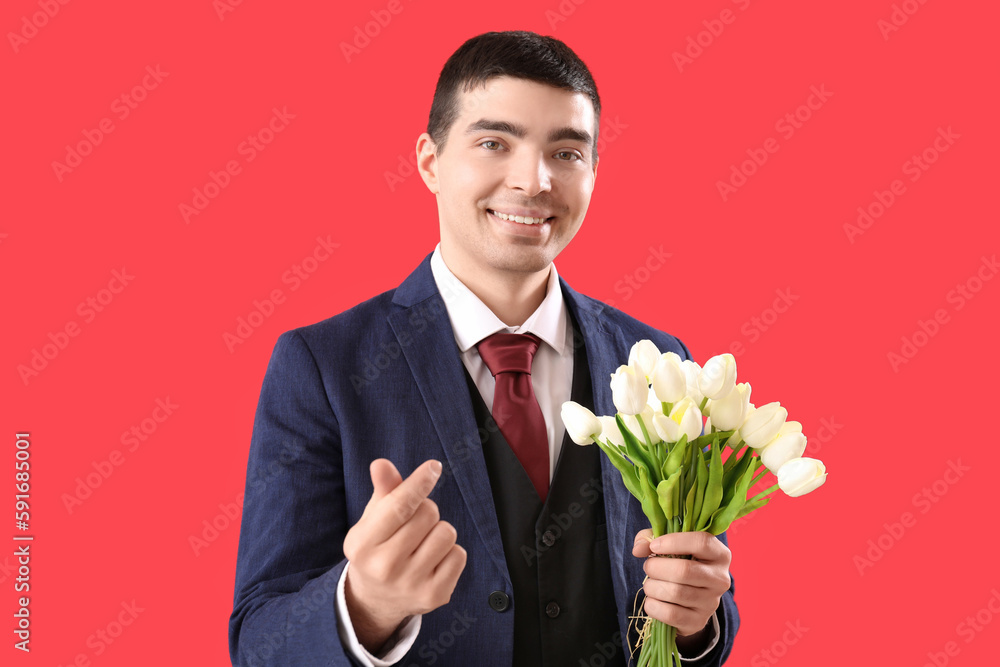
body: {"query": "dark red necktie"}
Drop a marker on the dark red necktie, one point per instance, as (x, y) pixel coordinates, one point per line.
(515, 409)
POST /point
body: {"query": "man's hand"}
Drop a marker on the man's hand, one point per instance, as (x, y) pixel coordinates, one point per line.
(404, 560)
(680, 592)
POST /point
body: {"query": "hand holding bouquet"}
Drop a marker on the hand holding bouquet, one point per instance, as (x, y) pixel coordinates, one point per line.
(671, 457)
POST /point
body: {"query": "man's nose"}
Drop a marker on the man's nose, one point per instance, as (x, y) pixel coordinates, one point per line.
(530, 173)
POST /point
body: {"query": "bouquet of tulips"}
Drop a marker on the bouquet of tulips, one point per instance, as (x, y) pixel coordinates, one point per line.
(675, 420)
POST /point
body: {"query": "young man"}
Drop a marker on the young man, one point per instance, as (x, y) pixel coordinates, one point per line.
(531, 551)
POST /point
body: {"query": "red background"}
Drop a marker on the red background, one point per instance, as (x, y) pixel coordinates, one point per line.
(670, 135)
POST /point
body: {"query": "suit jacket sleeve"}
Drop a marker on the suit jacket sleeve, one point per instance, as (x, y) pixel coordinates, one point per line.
(294, 520)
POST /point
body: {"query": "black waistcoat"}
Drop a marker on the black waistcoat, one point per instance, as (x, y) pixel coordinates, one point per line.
(557, 552)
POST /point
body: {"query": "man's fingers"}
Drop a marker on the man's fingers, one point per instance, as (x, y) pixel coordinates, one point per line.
(450, 567)
(641, 546)
(702, 546)
(435, 546)
(399, 506)
(406, 540)
(385, 478)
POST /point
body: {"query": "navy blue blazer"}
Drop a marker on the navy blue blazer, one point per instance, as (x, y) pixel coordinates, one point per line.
(385, 379)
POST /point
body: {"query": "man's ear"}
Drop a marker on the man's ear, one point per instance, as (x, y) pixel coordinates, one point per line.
(427, 162)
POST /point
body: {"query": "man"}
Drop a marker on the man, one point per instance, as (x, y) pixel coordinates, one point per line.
(478, 556)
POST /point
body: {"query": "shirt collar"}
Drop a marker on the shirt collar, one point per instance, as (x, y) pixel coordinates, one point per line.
(549, 321)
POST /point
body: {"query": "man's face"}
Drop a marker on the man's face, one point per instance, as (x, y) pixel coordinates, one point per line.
(518, 147)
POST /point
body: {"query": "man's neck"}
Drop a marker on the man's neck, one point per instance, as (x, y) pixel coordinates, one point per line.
(512, 297)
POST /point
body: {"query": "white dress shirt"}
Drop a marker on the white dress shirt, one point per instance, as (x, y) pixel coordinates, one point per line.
(551, 379)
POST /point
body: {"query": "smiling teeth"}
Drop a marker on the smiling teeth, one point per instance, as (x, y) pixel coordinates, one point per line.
(524, 220)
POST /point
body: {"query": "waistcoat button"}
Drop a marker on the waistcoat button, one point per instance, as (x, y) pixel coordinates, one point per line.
(499, 601)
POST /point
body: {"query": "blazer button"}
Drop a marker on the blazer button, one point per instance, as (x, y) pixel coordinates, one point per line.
(552, 610)
(548, 539)
(499, 601)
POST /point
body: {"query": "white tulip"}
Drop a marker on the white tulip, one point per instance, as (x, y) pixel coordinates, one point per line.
(691, 372)
(782, 449)
(581, 424)
(645, 353)
(760, 427)
(718, 376)
(729, 411)
(629, 389)
(647, 415)
(684, 419)
(800, 476)
(610, 431)
(669, 380)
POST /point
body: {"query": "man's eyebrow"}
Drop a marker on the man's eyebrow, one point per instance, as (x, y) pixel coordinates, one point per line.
(520, 131)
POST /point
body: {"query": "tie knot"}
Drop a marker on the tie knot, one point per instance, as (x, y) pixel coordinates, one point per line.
(507, 352)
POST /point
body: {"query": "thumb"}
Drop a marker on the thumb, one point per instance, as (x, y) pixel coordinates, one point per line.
(385, 478)
(640, 548)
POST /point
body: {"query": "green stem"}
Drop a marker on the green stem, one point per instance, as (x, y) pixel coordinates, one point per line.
(759, 476)
(763, 494)
(645, 433)
(701, 407)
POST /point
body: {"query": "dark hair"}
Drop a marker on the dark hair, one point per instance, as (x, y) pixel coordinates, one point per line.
(516, 53)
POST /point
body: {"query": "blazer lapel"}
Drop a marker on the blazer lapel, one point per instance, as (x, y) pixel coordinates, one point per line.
(425, 336)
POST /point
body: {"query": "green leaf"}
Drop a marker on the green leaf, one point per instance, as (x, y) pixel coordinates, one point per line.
(703, 441)
(713, 490)
(701, 481)
(651, 506)
(637, 452)
(676, 457)
(750, 507)
(689, 507)
(625, 467)
(721, 520)
(665, 491)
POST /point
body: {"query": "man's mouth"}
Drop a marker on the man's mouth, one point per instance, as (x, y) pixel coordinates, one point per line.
(521, 219)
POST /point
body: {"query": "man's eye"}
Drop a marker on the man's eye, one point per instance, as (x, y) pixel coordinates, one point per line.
(570, 153)
(490, 141)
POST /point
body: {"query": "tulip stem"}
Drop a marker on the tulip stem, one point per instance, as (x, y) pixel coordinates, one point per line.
(763, 494)
(645, 433)
(701, 407)
(758, 477)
